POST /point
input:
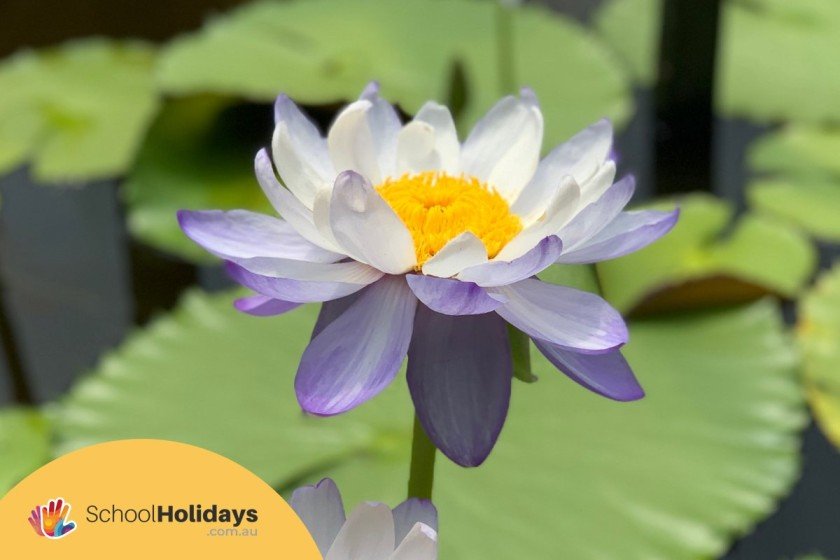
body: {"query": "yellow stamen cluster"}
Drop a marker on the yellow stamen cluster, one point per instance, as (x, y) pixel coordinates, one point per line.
(437, 207)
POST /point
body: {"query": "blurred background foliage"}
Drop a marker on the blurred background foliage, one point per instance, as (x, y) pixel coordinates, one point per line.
(731, 335)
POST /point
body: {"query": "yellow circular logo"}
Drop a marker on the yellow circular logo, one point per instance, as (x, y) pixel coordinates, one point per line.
(139, 498)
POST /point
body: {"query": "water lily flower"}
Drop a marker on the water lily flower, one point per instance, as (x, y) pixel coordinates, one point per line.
(372, 532)
(419, 245)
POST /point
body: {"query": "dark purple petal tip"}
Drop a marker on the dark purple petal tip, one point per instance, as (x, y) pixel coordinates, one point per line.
(608, 374)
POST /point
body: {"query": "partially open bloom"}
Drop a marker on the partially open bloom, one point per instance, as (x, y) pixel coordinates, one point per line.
(372, 532)
(422, 246)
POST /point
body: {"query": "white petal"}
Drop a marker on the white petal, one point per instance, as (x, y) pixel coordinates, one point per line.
(364, 138)
(351, 272)
(321, 510)
(420, 544)
(559, 211)
(429, 142)
(367, 535)
(367, 228)
(459, 253)
(300, 152)
(580, 157)
(598, 184)
(504, 147)
(287, 205)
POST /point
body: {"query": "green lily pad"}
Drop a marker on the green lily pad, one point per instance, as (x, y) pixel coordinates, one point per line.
(324, 51)
(699, 263)
(801, 151)
(24, 445)
(78, 112)
(199, 155)
(819, 337)
(631, 28)
(804, 178)
(777, 57)
(676, 475)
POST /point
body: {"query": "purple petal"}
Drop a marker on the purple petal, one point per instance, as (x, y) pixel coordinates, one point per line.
(264, 306)
(452, 297)
(628, 232)
(598, 215)
(459, 375)
(501, 273)
(332, 310)
(358, 354)
(606, 374)
(563, 315)
(239, 234)
(411, 512)
(298, 291)
(322, 511)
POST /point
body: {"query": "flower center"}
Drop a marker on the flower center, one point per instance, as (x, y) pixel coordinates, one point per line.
(437, 207)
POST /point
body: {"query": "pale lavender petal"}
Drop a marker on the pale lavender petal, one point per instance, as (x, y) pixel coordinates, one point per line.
(299, 291)
(411, 512)
(452, 297)
(322, 511)
(501, 273)
(358, 354)
(264, 306)
(606, 374)
(563, 315)
(459, 375)
(628, 232)
(597, 215)
(239, 234)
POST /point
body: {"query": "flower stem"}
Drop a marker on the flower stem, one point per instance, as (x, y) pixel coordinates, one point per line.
(520, 351)
(504, 47)
(423, 454)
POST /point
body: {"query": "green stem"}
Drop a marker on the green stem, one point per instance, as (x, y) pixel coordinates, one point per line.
(520, 351)
(423, 454)
(504, 47)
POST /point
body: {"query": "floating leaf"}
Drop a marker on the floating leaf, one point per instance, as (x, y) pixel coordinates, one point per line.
(199, 155)
(78, 111)
(24, 445)
(804, 178)
(631, 27)
(675, 475)
(323, 51)
(699, 264)
(819, 337)
(777, 57)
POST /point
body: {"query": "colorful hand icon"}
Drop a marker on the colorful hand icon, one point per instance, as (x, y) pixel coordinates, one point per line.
(54, 519)
(35, 521)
